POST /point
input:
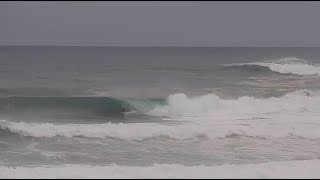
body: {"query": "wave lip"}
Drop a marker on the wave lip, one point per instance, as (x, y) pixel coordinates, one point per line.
(283, 169)
(288, 65)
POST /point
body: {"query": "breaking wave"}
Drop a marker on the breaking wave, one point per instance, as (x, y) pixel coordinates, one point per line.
(99, 106)
(180, 105)
(289, 65)
(295, 114)
(208, 116)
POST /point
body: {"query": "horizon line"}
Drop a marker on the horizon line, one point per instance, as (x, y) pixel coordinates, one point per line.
(159, 46)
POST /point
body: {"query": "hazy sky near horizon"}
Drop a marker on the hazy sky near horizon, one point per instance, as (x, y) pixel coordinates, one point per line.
(156, 23)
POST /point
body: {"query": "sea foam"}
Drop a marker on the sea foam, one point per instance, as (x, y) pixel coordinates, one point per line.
(293, 115)
(288, 169)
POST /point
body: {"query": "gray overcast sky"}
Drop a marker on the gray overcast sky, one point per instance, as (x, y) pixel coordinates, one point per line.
(160, 23)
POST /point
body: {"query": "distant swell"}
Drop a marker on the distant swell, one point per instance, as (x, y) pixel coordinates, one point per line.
(251, 68)
(285, 169)
(289, 65)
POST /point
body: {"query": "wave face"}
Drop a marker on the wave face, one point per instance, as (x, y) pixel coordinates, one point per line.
(295, 114)
(99, 106)
(102, 106)
(289, 65)
(285, 169)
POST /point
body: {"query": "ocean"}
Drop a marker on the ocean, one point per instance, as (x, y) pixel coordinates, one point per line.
(159, 112)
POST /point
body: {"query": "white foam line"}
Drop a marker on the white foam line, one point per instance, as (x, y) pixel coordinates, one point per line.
(287, 65)
(289, 169)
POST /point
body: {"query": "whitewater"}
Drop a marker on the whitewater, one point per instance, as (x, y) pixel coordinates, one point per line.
(206, 116)
(290, 169)
(173, 113)
(291, 65)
